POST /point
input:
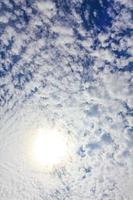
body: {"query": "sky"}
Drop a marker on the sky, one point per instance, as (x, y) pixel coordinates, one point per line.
(67, 65)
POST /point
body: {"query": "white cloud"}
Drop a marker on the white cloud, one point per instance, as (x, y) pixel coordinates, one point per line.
(46, 8)
(64, 82)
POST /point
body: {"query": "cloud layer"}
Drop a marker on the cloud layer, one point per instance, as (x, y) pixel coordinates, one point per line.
(67, 65)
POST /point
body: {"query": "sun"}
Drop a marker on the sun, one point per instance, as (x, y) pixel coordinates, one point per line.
(49, 147)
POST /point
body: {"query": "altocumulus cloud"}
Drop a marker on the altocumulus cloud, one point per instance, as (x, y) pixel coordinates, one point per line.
(68, 64)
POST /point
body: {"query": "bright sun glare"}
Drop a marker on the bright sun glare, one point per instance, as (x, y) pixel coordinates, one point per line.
(50, 147)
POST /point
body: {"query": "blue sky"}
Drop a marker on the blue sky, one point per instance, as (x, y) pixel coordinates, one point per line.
(68, 65)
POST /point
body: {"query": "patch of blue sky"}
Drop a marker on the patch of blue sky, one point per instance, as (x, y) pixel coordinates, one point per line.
(21, 79)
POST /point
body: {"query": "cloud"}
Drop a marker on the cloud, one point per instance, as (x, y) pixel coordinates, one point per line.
(54, 72)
